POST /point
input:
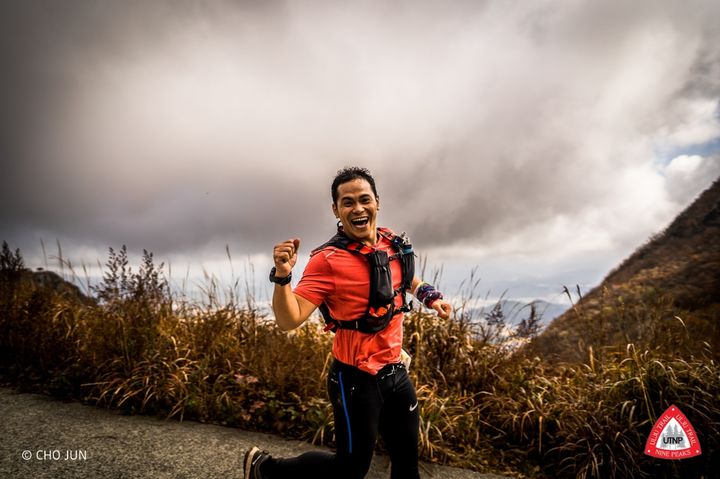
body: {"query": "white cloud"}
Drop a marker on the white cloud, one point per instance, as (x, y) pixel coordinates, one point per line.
(696, 122)
(687, 175)
(683, 167)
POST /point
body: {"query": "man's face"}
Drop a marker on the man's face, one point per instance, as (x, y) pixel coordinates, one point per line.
(357, 209)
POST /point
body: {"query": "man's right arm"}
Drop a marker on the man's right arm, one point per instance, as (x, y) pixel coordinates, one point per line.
(290, 309)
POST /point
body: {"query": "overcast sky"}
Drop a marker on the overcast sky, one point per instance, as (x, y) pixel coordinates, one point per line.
(539, 141)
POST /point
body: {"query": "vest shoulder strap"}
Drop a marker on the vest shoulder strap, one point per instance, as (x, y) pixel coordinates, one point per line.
(340, 240)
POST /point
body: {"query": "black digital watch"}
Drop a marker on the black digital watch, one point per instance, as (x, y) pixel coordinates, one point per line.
(280, 281)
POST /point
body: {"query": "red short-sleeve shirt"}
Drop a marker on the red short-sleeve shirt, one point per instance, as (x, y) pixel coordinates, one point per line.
(341, 279)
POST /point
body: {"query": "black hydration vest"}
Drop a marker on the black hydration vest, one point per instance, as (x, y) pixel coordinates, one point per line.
(381, 302)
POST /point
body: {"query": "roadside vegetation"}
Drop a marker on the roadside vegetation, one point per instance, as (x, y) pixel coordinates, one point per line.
(486, 403)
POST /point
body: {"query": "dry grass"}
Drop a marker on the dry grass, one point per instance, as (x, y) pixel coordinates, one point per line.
(137, 348)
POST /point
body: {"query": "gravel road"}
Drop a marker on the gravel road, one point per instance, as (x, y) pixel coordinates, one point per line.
(41, 437)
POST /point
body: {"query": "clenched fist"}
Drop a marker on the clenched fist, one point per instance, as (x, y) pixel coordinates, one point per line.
(285, 257)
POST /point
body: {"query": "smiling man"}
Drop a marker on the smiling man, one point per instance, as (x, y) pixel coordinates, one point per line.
(358, 280)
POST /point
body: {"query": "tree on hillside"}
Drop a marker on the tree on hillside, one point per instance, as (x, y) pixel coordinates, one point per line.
(10, 261)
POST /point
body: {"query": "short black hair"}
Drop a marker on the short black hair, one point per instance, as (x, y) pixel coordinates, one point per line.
(349, 174)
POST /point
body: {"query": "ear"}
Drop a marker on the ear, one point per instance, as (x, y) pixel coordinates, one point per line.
(377, 200)
(335, 211)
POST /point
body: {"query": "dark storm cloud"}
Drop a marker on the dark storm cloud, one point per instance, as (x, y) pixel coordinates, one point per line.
(60, 180)
(177, 126)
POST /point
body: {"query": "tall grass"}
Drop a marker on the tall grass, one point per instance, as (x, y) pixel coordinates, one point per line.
(135, 347)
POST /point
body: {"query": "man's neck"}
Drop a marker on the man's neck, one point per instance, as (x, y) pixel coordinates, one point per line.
(372, 242)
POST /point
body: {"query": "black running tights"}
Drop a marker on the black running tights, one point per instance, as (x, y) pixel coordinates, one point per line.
(363, 406)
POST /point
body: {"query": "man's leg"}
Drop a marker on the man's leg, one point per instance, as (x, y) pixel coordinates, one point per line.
(399, 424)
(356, 405)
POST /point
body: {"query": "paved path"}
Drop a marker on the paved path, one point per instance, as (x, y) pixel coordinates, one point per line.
(70, 440)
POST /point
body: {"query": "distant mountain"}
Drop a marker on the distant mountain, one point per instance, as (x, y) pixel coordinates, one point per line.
(515, 311)
(666, 294)
(550, 311)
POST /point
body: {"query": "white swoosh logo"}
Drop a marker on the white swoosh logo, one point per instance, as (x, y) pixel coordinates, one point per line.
(413, 407)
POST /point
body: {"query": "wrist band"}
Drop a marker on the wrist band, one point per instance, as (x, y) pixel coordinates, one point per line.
(427, 294)
(280, 281)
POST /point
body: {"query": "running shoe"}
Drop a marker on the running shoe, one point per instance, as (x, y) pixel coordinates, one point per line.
(254, 458)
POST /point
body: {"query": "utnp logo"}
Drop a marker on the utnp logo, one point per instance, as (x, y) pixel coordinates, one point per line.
(672, 437)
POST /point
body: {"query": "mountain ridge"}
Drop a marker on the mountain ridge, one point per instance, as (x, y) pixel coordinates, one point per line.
(665, 293)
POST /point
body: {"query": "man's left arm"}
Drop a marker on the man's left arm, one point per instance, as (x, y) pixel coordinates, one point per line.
(426, 291)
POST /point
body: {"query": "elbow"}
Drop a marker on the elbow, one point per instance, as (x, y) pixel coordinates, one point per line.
(285, 327)
(286, 324)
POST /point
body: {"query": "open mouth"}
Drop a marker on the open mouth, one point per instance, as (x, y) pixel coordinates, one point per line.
(360, 222)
